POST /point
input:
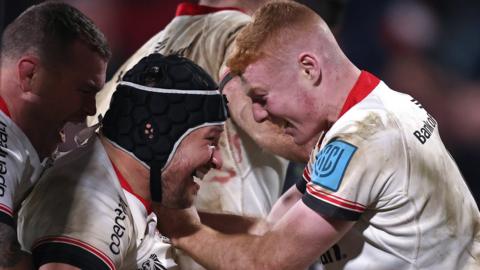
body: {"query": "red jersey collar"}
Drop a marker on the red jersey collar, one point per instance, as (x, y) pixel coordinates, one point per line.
(192, 9)
(125, 185)
(4, 107)
(365, 84)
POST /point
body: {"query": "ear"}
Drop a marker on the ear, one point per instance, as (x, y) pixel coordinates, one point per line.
(27, 68)
(310, 68)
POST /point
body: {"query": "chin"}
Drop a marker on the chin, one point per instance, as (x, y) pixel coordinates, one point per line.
(301, 140)
(187, 201)
(189, 195)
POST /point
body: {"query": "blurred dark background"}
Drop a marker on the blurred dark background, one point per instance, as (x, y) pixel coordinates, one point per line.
(429, 49)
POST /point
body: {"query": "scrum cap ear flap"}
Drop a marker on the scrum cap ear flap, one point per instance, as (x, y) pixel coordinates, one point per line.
(159, 102)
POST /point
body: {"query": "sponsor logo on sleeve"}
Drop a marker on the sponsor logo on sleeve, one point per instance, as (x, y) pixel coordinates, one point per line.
(3, 155)
(428, 125)
(118, 227)
(425, 132)
(331, 163)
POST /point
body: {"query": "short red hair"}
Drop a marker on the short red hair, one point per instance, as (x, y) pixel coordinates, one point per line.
(273, 24)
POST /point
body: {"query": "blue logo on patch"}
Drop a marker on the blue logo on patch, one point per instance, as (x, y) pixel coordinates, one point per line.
(331, 163)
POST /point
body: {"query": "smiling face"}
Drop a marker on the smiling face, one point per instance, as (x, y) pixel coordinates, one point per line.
(195, 156)
(280, 92)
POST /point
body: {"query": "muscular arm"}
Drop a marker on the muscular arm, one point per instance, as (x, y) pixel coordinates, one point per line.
(283, 204)
(58, 266)
(11, 256)
(231, 224)
(267, 135)
(294, 242)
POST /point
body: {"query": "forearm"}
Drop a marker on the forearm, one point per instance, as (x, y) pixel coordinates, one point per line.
(239, 251)
(11, 256)
(283, 204)
(233, 224)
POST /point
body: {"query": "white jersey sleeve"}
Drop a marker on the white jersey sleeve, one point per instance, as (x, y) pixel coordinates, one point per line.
(83, 213)
(383, 165)
(19, 168)
(82, 223)
(353, 169)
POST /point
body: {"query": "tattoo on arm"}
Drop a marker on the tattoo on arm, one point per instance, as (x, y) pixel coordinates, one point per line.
(10, 252)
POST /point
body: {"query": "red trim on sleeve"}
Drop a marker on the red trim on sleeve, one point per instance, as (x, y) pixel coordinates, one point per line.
(335, 200)
(191, 9)
(75, 242)
(306, 174)
(365, 84)
(125, 185)
(4, 107)
(6, 209)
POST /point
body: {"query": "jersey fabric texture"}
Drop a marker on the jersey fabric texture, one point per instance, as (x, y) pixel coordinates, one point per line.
(250, 180)
(84, 213)
(383, 165)
(20, 166)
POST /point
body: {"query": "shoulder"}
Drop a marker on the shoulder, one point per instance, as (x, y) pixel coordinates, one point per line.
(79, 194)
(84, 217)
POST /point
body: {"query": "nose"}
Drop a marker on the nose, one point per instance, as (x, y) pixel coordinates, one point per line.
(259, 113)
(217, 160)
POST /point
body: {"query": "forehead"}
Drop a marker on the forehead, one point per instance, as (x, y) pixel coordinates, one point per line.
(264, 74)
(212, 130)
(257, 71)
(85, 64)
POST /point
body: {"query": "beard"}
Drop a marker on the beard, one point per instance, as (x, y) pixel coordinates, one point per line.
(179, 195)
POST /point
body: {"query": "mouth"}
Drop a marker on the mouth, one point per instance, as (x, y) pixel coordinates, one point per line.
(62, 135)
(288, 128)
(200, 173)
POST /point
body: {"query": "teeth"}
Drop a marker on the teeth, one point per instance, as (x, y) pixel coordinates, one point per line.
(62, 135)
(199, 174)
(197, 180)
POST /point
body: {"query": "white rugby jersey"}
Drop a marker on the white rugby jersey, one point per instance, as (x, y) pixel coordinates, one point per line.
(250, 180)
(83, 213)
(20, 166)
(383, 165)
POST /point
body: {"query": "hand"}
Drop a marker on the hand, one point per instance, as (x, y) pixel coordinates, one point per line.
(175, 223)
(239, 104)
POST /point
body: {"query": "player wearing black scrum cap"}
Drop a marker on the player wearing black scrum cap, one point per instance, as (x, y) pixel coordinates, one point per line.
(92, 209)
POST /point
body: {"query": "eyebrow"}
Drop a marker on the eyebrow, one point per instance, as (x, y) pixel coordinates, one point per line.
(92, 86)
(253, 91)
(214, 131)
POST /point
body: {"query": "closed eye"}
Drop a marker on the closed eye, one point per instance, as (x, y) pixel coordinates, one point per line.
(259, 99)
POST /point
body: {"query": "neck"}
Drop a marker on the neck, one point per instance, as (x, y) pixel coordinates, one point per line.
(343, 84)
(137, 175)
(41, 133)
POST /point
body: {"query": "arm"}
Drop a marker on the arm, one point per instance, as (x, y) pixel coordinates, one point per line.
(58, 266)
(283, 204)
(11, 256)
(295, 241)
(267, 135)
(232, 224)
